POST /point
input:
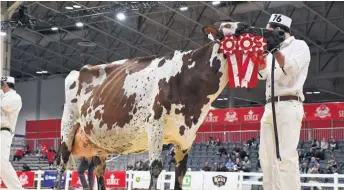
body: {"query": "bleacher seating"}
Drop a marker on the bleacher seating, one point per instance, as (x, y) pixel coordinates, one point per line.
(197, 157)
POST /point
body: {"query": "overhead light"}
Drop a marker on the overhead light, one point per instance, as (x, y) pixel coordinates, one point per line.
(69, 8)
(2, 33)
(316, 92)
(219, 99)
(184, 8)
(42, 72)
(309, 92)
(54, 28)
(225, 98)
(120, 16)
(77, 6)
(216, 2)
(79, 24)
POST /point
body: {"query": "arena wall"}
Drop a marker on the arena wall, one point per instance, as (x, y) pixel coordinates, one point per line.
(39, 103)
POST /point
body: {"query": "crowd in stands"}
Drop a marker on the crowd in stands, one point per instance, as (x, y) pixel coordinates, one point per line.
(43, 152)
(239, 155)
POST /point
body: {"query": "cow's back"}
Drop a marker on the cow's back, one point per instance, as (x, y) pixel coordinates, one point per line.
(104, 106)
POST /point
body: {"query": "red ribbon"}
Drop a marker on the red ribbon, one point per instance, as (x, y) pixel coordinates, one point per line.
(244, 54)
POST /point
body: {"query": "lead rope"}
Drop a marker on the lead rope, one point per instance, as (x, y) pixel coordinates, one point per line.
(273, 107)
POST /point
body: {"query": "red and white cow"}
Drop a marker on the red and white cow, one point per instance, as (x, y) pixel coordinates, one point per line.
(134, 105)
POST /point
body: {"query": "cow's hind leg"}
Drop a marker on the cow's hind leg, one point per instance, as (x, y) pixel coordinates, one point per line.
(61, 164)
(181, 166)
(100, 170)
(155, 142)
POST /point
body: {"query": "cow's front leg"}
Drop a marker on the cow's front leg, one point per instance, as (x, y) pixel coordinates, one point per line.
(181, 166)
(155, 142)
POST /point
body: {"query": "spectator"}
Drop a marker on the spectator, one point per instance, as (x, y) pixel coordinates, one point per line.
(246, 165)
(222, 150)
(18, 155)
(172, 160)
(320, 155)
(333, 144)
(206, 167)
(50, 156)
(315, 170)
(324, 144)
(230, 165)
(238, 165)
(301, 156)
(309, 155)
(315, 144)
(88, 165)
(304, 168)
(216, 167)
(331, 162)
(218, 142)
(27, 150)
(243, 153)
(222, 168)
(44, 150)
(138, 165)
(26, 168)
(313, 162)
(210, 142)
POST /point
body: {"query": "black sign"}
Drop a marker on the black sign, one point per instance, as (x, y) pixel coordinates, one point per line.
(219, 180)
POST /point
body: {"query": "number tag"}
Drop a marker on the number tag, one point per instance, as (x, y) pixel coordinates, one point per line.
(277, 18)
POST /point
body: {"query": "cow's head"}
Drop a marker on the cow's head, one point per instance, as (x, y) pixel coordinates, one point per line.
(221, 29)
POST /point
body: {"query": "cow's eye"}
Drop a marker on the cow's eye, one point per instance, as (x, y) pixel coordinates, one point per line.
(227, 26)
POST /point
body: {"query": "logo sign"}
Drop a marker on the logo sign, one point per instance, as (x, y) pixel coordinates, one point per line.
(251, 116)
(27, 179)
(322, 112)
(231, 116)
(115, 179)
(49, 178)
(219, 180)
(141, 180)
(76, 180)
(187, 181)
(211, 118)
(341, 113)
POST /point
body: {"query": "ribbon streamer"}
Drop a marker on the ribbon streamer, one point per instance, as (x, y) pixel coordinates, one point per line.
(244, 54)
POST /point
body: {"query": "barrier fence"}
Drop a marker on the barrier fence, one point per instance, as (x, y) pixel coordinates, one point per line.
(225, 136)
(192, 181)
(243, 136)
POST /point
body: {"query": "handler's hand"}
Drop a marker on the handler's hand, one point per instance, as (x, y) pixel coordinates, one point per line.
(262, 66)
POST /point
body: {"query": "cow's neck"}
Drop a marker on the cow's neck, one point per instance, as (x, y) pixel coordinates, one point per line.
(190, 92)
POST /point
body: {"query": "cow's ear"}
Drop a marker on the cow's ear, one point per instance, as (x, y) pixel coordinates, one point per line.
(210, 30)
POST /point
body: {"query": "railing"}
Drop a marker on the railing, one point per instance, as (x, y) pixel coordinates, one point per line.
(227, 136)
(243, 136)
(203, 180)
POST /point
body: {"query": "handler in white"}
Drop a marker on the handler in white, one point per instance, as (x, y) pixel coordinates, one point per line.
(292, 62)
(10, 106)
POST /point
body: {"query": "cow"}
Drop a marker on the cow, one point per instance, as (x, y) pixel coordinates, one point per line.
(134, 105)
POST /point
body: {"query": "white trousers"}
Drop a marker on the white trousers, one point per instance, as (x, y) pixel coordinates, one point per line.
(7, 172)
(285, 174)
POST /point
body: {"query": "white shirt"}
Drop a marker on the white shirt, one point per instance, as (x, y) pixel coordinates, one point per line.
(297, 57)
(11, 105)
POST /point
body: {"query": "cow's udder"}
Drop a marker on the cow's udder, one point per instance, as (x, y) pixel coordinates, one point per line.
(83, 147)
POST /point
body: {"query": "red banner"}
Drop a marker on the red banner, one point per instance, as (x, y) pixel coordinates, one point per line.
(114, 179)
(27, 179)
(76, 180)
(326, 111)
